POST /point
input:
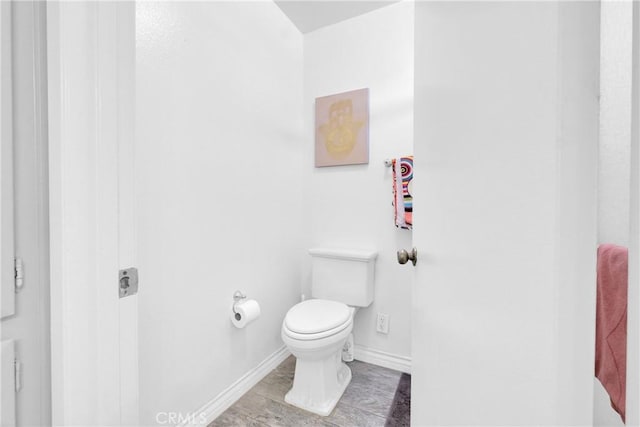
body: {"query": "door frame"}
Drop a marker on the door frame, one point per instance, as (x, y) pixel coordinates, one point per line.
(633, 297)
(7, 294)
(93, 331)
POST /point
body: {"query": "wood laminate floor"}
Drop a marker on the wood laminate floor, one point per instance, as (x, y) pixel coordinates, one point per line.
(365, 402)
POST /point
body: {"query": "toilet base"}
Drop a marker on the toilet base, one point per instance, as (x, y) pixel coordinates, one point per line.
(318, 385)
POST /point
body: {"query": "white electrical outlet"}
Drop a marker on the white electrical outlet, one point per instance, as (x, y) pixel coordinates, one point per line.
(382, 323)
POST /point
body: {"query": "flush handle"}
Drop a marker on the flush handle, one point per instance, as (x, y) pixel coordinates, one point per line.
(404, 256)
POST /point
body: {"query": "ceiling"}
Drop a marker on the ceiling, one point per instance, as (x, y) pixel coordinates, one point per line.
(309, 15)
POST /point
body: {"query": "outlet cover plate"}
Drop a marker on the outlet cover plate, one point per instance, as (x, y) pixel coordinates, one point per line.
(382, 323)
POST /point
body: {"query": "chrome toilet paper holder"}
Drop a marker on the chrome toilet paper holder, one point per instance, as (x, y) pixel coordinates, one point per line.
(237, 298)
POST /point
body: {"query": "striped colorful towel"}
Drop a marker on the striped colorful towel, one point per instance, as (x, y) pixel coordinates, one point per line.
(402, 199)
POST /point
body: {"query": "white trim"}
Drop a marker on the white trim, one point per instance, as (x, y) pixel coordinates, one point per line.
(7, 291)
(94, 376)
(125, 42)
(214, 408)
(384, 359)
(633, 297)
(8, 385)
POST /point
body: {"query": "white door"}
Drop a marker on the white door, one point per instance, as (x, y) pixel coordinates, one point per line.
(506, 118)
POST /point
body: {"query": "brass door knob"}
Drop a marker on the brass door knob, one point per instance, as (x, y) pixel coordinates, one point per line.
(404, 256)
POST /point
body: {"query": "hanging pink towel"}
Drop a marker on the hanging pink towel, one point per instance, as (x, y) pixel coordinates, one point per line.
(611, 323)
(402, 199)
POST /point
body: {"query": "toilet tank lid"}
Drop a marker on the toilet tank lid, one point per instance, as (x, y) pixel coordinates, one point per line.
(352, 254)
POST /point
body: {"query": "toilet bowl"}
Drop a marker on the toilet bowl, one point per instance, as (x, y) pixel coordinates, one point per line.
(315, 332)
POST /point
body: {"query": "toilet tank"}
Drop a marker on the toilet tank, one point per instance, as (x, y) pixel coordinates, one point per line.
(343, 275)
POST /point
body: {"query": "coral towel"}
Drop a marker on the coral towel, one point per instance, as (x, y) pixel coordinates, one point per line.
(402, 199)
(611, 323)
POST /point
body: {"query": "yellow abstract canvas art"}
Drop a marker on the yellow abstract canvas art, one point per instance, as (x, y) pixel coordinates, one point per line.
(342, 129)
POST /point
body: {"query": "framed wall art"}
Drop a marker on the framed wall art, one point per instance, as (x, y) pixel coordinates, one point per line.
(342, 129)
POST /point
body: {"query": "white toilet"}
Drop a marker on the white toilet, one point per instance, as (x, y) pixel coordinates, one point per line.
(315, 330)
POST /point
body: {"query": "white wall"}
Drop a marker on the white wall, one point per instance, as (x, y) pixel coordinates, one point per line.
(615, 122)
(219, 156)
(614, 150)
(506, 132)
(350, 206)
(603, 414)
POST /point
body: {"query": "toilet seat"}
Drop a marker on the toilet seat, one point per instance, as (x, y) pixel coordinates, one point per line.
(317, 335)
(316, 319)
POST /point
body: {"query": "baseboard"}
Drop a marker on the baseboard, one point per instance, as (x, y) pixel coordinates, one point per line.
(381, 358)
(214, 408)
